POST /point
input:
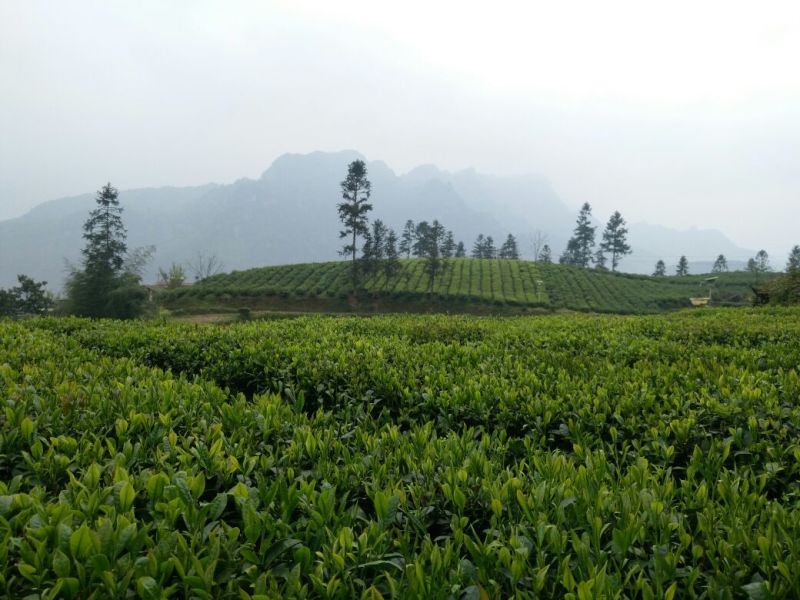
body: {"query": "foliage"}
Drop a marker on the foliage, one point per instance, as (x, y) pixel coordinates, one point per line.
(661, 269)
(448, 245)
(103, 286)
(546, 255)
(682, 269)
(28, 298)
(391, 262)
(356, 189)
(720, 265)
(614, 240)
(509, 249)
(793, 262)
(407, 238)
(409, 457)
(759, 263)
(430, 240)
(484, 247)
(172, 278)
(579, 248)
(786, 288)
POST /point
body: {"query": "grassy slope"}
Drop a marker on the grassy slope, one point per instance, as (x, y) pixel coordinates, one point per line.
(467, 284)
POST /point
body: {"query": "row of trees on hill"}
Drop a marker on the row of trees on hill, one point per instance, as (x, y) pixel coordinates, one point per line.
(613, 247)
(757, 264)
(381, 248)
(484, 248)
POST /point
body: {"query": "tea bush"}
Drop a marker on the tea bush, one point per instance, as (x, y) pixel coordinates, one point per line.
(409, 457)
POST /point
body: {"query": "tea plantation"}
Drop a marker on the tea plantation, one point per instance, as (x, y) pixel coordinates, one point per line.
(465, 285)
(403, 457)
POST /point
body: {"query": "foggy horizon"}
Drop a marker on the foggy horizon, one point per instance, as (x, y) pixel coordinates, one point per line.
(682, 116)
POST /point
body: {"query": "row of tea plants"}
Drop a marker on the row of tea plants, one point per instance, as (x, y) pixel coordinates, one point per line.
(409, 457)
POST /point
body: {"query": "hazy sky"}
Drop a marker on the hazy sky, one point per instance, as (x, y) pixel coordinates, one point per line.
(679, 113)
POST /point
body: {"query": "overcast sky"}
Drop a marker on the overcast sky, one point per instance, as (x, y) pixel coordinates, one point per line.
(679, 113)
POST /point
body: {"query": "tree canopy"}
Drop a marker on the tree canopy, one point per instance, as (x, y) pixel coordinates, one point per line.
(356, 190)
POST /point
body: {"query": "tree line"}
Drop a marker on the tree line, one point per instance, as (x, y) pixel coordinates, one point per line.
(107, 282)
(381, 248)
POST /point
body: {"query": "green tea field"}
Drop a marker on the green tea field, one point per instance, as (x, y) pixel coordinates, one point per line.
(466, 285)
(564, 456)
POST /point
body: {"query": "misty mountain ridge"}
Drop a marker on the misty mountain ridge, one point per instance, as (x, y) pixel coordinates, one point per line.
(289, 215)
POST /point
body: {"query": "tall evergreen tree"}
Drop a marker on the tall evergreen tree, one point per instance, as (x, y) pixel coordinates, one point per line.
(421, 239)
(615, 239)
(448, 245)
(430, 240)
(570, 256)
(489, 249)
(661, 269)
(683, 266)
(580, 247)
(546, 255)
(374, 247)
(461, 251)
(600, 260)
(356, 190)
(368, 261)
(762, 261)
(479, 247)
(103, 288)
(391, 263)
(407, 238)
(720, 264)
(509, 249)
(793, 263)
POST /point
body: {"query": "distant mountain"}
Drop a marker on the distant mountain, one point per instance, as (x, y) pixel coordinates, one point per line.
(289, 215)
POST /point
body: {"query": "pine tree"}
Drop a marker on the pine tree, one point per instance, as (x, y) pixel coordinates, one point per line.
(103, 288)
(793, 263)
(479, 247)
(489, 249)
(449, 245)
(579, 248)
(661, 269)
(391, 263)
(368, 261)
(615, 240)
(430, 241)
(720, 265)
(600, 260)
(407, 238)
(419, 248)
(570, 256)
(509, 248)
(356, 190)
(762, 261)
(683, 266)
(461, 251)
(546, 255)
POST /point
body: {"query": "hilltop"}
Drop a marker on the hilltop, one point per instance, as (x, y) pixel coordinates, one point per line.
(288, 215)
(468, 285)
